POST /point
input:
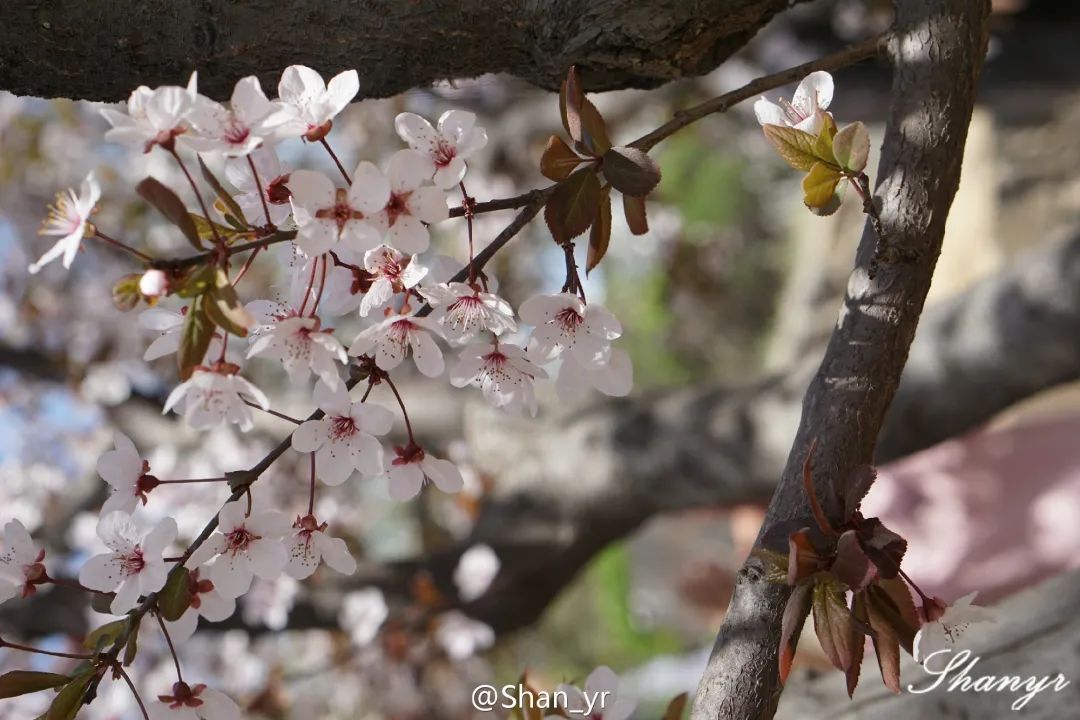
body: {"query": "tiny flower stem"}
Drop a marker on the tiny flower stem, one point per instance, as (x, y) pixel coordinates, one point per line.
(275, 413)
(121, 245)
(916, 588)
(259, 188)
(404, 412)
(468, 205)
(322, 287)
(39, 651)
(246, 265)
(131, 686)
(194, 480)
(224, 347)
(73, 584)
(337, 162)
(168, 641)
(311, 491)
(198, 196)
(310, 285)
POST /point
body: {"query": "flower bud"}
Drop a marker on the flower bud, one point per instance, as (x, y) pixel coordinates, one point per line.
(154, 283)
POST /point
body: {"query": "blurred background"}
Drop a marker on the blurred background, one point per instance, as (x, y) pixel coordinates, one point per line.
(614, 544)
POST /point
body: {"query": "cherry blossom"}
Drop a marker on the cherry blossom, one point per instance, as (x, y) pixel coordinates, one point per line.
(205, 602)
(310, 544)
(303, 348)
(464, 311)
(805, 110)
(170, 324)
(136, 565)
(343, 440)
(615, 377)
(461, 637)
(191, 702)
(245, 546)
(475, 571)
(273, 181)
(946, 624)
(249, 120)
(412, 466)
(411, 206)
(393, 338)
(599, 701)
(326, 216)
(69, 218)
(362, 614)
(391, 273)
(154, 284)
(315, 103)
(154, 117)
(564, 323)
(213, 395)
(21, 567)
(127, 475)
(502, 371)
(455, 139)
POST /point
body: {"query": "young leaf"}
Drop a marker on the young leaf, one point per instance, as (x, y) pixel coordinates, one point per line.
(100, 637)
(572, 206)
(102, 602)
(67, 702)
(175, 598)
(811, 493)
(851, 146)
(171, 206)
(198, 282)
(600, 235)
(851, 566)
(23, 682)
(884, 547)
(886, 641)
(858, 612)
(223, 195)
(570, 99)
(194, 338)
(203, 227)
(631, 171)
(634, 210)
(803, 558)
(795, 611)
(819, 185)
(125, 292)
(224, 308)
(131, 647)
(676, 707)
(823, 143)
(834, 624)
(892, 602)
(558, 160)
(581, 119)
(795, 146)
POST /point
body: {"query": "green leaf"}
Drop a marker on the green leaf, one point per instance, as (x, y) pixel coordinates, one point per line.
(67, 702)
(558, 160)
(203, 227)
(795, 146)
(634, 211)
(125, 292)
(834, 624)
(131, 647)
(175, 598)
(600, 236)
(823, 144)
(819, 185)
(23, 682)
(224, 308)
(195, 338)
(851, 146)
(102, 602)
(233, 209)
(631, 171)
(572, 206)
(171, 206)
(798, 605)
(101, 637)
(198, 282)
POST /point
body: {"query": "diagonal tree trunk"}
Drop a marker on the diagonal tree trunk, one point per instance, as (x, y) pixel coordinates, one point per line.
(937, 52)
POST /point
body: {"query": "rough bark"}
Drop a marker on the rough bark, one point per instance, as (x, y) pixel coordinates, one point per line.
(102, 50)
(937, 52)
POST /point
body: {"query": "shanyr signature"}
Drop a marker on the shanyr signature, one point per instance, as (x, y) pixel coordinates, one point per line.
(963, 662)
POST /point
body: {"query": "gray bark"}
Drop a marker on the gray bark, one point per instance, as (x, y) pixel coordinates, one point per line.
(103, 50)
(937, 52)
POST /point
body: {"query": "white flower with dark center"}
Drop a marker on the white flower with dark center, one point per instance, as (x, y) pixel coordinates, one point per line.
(411, 206)
(154, 117)
(245, 546)
(599, 701)
(326, 215)
(391, 273)
(303, 348)
(343, 440)
(502, 371)
(247, 122)
(205, 602)
(461, 637)
(127, 474)
(392, 339)
(946, 624)
(563, 323)
(464, 311)
(192, 702)
(362, 614)
(412, 466)
(806, 108)
(310, 544)
(614, 377)
(456, 138)
(69, 217)
(213, 395)
(315, 103)
(136, 565)
(21, 563)
(273, 180)
(475, 571)
(170, 324)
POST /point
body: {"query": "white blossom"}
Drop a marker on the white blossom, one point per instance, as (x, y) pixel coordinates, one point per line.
(235, 130)
(205, 602)
(326, 215)
(461, 637)
(310, 544)
(455, 139)
(211, 396)
(806, 108)
(191, 702)
(615, 377)
(124, 469)
(245, 546)
(944, 628)
(20, 562)
(343, 440)
(154, 117)
(273, 181)
(464, 311)
(412, 466)
(475, 571)
(392, 273)
(315, 103)
(502, 371)
(362, 614)
(69, 218)
(303, 348)
(392, 339)
(411, 206)
(135, 566)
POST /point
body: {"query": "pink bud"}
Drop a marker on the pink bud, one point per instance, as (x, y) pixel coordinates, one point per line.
(154, 283)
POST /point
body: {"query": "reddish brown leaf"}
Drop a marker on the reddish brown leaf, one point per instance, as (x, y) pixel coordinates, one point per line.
(171, 206)
(811, 493)
(630, 171)
(581, 119)
(795, 612)
(571, 98)
(834, 624)
(634, 210)
(676, 707)
(600, 236)
(858, 611)
(892, 601)
(572, 206)
(803, 558)
(852, 566)
(880, 616)
(194, 338)
(558, 160)
(884, 547)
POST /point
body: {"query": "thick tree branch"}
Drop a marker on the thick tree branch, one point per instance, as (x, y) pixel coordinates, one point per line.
(46, 48)
(937, 52)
